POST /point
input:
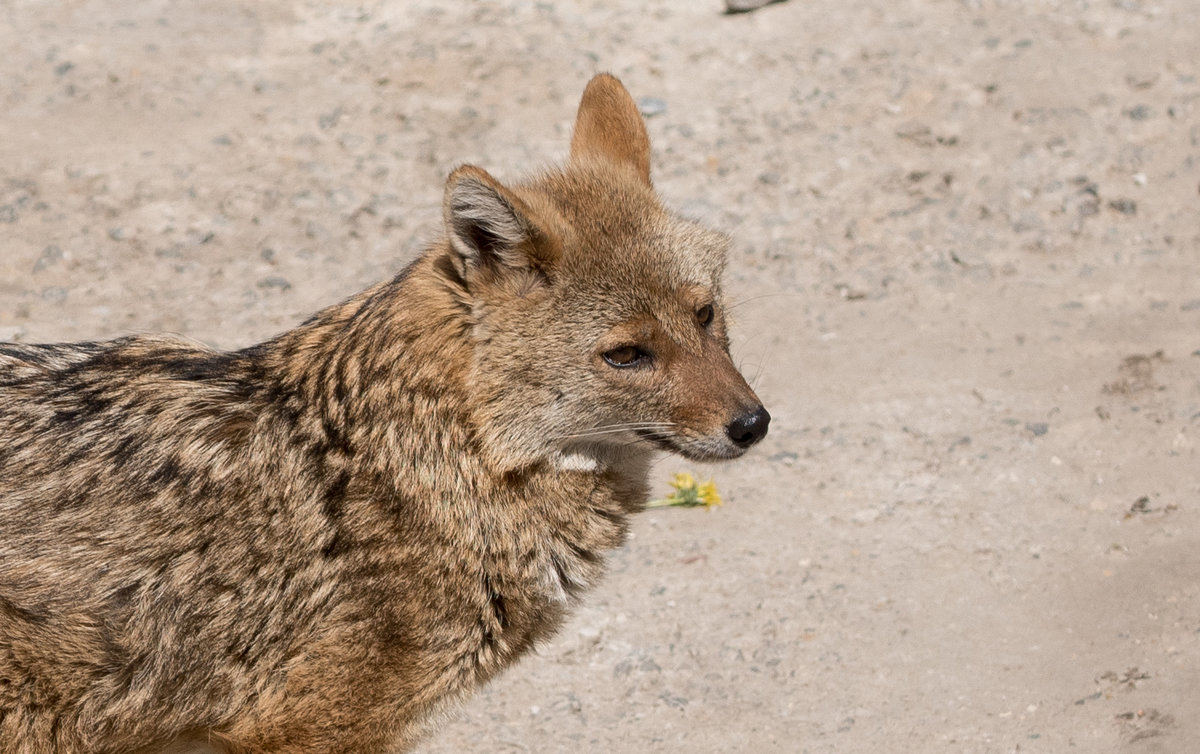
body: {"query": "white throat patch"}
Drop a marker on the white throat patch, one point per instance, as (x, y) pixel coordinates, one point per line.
(576, 462)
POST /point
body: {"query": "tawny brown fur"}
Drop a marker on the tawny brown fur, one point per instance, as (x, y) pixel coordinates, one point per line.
(313, 544)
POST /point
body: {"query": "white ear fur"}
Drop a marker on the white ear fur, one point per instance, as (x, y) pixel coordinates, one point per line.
(485, 228)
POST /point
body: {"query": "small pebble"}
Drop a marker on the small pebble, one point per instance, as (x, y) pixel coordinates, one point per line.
(1142, 80)
(743, 6)
(55, 294)
(651, 106)
(1124, 206)
(1138, 112)
(276, 282)
(330, 119)
(51, 255)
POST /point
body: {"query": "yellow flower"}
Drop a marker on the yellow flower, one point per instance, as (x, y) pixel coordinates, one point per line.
(683, 481)
(708, 494)
(688, 494)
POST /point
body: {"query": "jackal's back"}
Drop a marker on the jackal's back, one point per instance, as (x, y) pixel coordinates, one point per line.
(120, 464)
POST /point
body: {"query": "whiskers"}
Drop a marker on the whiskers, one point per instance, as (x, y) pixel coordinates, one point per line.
(764, 354)
(752, 378)
(607, 431)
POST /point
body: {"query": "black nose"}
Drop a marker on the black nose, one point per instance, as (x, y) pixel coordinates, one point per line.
(749, 428)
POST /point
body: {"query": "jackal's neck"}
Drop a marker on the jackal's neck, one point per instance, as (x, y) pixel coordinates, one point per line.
(408, 321)
(375, 358)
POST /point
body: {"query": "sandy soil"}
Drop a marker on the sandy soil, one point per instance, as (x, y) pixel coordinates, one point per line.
(967, 278)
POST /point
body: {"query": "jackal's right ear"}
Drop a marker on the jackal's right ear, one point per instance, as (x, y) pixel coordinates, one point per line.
(491, 228)
(609, 126)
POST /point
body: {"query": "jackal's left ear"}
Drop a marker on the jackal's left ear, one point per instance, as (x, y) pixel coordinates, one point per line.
(609, 126)
(493, 229)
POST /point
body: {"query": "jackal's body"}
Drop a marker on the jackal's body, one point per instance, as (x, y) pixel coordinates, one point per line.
(310, 544)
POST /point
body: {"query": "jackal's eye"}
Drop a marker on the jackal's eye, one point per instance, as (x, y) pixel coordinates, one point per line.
(704, 315)
(625, 356)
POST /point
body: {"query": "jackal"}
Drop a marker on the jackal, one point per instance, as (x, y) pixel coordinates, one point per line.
(314, 543)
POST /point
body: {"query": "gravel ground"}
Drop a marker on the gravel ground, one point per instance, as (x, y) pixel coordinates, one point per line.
(967, 275)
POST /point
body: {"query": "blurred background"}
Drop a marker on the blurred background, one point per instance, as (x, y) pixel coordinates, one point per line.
(966, 283)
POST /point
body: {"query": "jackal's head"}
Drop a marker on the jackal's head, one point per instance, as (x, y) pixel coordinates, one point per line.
(598, 320)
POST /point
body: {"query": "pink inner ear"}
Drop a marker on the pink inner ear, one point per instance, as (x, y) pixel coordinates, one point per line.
(609, 125)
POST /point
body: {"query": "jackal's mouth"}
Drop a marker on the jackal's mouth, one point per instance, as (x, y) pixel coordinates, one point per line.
(696, 451)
